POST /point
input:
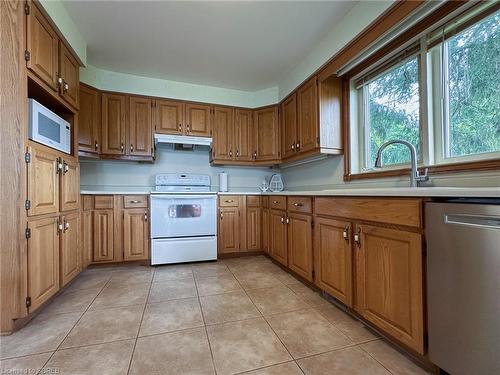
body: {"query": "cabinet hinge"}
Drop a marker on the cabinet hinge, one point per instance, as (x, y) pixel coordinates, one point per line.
(27, 233)
(28, 301)
(27, 55)
(27, 204)
(27, 157)
(26, 8)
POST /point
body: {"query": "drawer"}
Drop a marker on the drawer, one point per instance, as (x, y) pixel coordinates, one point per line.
(300, 204)
(87, 202)
(229, 201)
(103, 202)
(253, 201)
(393, 211)
(277, 202)
(135, 201)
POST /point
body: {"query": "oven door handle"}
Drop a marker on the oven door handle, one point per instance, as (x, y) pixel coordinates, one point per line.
(183, 196)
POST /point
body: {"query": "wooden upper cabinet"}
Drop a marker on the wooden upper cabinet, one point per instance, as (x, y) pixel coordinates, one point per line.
(266, 134)
(103, 235)
(43, 260)
(70, 185)
(278, 236)
(223, 131)
(254, 228)
(89, 118)
(140, 132)
(113, 124)
(389, 282)
(300, 254)
(135, 234)
(43, 181)
(307, 124)
(69, 71)
(229, 229)
(42, 45)
(243, 134)
(70, 249)
(169, 117)
(333, 258)
(197, 119)
(289, 126)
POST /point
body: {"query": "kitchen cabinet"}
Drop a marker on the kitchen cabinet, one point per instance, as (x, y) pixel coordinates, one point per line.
(135, 234)
(389, 282)
(70, 185)
(243, 134)
(267, 135)
(289, 126)
(169, 117)
(254, 228)
(333, 258)
(229, 230)
(198, 119)
(103, 233)
(265, 229)
(69, 71)
(223, 130)
(139, 127)
(307, 121)
(113, 126)
(300, 255)
(89, 120)
(87, 230)
(278, 236)
(70, 247)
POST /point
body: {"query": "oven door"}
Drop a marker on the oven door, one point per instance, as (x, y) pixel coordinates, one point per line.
(183, 215)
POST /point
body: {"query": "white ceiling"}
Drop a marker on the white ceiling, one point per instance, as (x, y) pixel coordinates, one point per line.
(239, 45)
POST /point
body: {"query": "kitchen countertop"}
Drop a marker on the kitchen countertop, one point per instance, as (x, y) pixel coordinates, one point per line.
(466, 192)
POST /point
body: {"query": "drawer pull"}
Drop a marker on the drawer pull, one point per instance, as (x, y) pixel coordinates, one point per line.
(283, 220)
(146, 216)
(288, 220)
(229, 201)
(345, 233)
(357, 237)
(298, 204)
(134, 201)
(276, 202)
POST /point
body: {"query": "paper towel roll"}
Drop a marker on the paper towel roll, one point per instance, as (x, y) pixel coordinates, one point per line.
(223, 181)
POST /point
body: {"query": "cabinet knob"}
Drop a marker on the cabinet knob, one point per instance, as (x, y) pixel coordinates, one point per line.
(131, 148)
(96, 145)
(122, 147)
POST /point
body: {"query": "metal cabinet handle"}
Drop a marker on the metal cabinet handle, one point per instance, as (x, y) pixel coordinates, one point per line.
(357, 237)
(345, 233)
(60, 226)
(237, 153)
(298, 204)
(66, 225)
(297, 146)
(96, 145)
(131, 147)
(122, 147)
(59, 166)
(134, 201)
(65, 167)
(229, 201)
(283, 220)
(288, 220)
(230, 153)
(255, 155)
(293, 146)
(188, 128)
(221, 215)
(60, 81)
(180, 128)
(146, 216)
(65, 87)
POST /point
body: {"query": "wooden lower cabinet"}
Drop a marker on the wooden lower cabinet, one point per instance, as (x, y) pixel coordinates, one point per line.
(265, 230)
(70, 185)
(333, 258)
(87, 237)
(102, 223)
(300, 255)
(229, 229)
(389, 282)
(70, 247)
(254, 228)
(135, 234)
(278, 236)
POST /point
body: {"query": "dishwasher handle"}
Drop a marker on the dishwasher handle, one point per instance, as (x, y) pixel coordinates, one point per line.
(477, 221)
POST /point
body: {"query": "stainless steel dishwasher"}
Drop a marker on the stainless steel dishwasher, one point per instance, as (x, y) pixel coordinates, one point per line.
(463, 286)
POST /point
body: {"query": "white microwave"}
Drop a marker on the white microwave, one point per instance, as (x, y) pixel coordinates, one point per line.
(47, 128)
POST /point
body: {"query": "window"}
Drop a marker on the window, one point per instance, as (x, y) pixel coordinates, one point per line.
(441, 94)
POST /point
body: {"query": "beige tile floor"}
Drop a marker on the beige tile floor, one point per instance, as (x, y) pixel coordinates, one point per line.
(243, 315)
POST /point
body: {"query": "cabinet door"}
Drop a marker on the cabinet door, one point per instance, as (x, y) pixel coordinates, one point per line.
(289, 126)
(333, 258)
(140, 137)
(197, 120)
(103, 235)
(244, 134)
(223, 125)
(42, 44)
(43, 260)
(169, 117)
(69, 71)
(87, 238)
(70, 185)
(277, 236)
(70, 248)
(307, 126)
(89, 117)
(229, 229)
(135, 234)
(265, 230)
(389, 282)
(113, 124)
(300, 256)
(266, 134)
(254, 228)
(43, 182)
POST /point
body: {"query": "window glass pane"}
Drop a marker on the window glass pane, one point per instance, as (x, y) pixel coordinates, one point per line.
(474, 88)
(393, 113)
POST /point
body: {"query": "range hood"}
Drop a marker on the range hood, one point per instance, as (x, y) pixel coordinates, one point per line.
(185, 140)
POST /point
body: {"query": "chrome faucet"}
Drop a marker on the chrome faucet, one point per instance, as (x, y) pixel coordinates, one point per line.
(415, 176)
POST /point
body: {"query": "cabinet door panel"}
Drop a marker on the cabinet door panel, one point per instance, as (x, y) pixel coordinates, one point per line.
(265, 230)
(89, 117)
(266, 134)
(223, 134)
(87, 238)
(103, 235)
(244, 134)
(113, 124)
(300, 258)
(333, 258)
(197, 120)
(140, 137)
(42, 43)
(136, 234)
(289, 126)
(389, 282)
(43, 261)
(70, 248)
(69, 71)
(277, 236)
(169, 117)
(229, 229)
(43, 182)
(70, 185)
(307, 127)
(254, 227)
